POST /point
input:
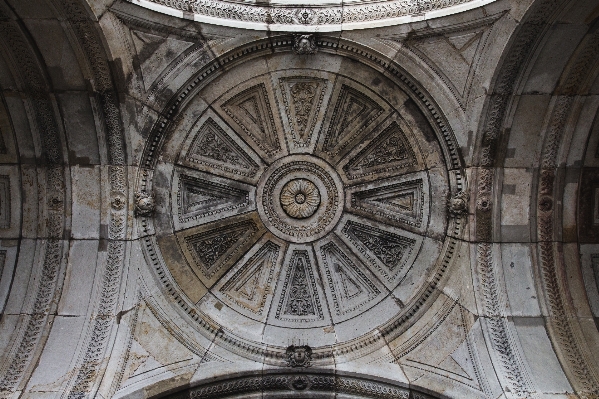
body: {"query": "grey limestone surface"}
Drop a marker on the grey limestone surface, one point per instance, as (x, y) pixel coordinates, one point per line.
(208, 199)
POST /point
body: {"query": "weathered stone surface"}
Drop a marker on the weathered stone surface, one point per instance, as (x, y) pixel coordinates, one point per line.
(206, 199)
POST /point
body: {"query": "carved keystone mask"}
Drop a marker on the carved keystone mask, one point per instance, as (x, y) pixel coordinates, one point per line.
(299, 356)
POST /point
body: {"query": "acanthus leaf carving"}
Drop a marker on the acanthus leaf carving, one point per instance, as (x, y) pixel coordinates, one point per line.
(391, 250)
(303, 99)
(307, 14)
(354, 111)
(209, 248)
(498, 326)
(217, 246)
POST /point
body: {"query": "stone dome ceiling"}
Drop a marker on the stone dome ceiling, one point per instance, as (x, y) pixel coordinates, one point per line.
(200, 210)
(304, 205)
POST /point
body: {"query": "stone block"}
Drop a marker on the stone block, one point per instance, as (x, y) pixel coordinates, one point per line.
(80, 128)
(580, 150)
(25, 143)
(525, 128)
(54, 368)
(575, 280)
(8, 259)
(515, 205)
(519, 281)
(77, 297)
(61, 60)
(245, 327)
(8, 325)
(137, 128)
(10, 201)
(589, 259)
(548, 67)
(20, 292)
(34, 9)
(86, 202)
(545, 369)
(378, 364)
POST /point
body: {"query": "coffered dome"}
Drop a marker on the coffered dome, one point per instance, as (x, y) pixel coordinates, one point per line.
(304, 202)
(222, 199)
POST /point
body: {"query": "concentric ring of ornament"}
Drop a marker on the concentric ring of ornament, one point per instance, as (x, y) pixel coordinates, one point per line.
(277, 198)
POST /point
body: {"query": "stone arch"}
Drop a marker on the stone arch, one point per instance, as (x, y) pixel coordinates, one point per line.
(559, 101)
(301, 384)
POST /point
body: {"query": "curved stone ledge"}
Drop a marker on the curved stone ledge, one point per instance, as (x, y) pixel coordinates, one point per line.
(311, 16)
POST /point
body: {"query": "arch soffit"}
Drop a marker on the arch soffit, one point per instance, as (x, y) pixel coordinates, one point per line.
(555, 152)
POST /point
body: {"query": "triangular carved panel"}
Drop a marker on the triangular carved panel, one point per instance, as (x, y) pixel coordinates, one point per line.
(387, 251)
(199, 197)
(215, 247)
(250, 286)
(401, 202)
(300, 300)
(213, 148)
(302, 98)
(251, 110)
(389, 151)
(454, 55)
(433, 353)
(354, 111)
(155, 53)
(350, 287)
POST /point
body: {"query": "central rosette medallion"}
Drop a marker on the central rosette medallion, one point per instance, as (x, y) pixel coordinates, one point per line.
(300, 198)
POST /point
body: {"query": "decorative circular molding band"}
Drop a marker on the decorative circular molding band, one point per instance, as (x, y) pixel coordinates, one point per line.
(309, 385)
(300, 198)
(310, 15)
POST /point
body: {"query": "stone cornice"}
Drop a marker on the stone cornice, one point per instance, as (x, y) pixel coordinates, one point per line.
(309, 17)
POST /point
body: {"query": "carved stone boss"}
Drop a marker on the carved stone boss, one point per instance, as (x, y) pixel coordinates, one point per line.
(299, 356)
